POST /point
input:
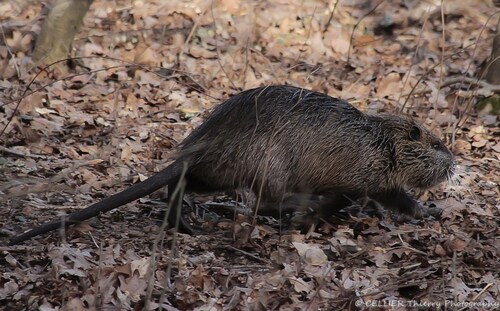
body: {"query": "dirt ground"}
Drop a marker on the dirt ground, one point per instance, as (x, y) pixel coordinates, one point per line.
(148, 72)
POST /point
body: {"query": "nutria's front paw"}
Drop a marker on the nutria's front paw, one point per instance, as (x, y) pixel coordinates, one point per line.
(434, 211)
(419, 211)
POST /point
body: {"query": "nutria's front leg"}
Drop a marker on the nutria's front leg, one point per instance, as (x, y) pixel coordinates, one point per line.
(398, 200)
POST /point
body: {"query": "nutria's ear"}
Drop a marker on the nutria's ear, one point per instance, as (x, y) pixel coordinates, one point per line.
(414, 133)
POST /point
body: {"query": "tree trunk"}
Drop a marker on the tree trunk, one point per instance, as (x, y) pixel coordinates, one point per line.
(58, 30)
(493, 66)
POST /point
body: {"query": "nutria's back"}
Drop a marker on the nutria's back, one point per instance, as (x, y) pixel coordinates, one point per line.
(282, 139)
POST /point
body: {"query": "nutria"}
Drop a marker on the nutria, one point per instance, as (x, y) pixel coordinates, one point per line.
(280, 141)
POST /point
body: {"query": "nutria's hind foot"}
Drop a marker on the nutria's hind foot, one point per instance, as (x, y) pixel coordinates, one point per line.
(177, 219)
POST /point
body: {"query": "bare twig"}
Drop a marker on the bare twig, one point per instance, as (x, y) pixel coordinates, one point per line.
(45, 69)
(331, 16)
(266, 261)
(20, 154)
(417, 50)
(441, 67)
(191, 33)
(486, 89)
(469, 103)
(356, 26)
(217, 49)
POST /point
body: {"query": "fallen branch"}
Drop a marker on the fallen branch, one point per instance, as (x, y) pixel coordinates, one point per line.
(19, 154)
(485, 89)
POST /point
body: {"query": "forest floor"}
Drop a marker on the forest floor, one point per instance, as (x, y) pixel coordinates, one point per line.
(150, 71)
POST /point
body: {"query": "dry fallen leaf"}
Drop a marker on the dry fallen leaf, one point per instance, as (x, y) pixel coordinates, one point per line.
(389, 85)
(311, 254)
(300, 285)
(454, 245)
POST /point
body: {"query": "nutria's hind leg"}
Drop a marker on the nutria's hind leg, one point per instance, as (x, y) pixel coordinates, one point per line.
(333, 204)
(398, 200)
(297, 202)
(314, 208)
(303, 208)
(176, 218)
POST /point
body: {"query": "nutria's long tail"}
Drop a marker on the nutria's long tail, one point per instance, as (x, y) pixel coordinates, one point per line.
(137, 191)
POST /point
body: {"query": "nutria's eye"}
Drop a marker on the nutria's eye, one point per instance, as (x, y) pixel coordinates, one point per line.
(436, 145)
(414, 133)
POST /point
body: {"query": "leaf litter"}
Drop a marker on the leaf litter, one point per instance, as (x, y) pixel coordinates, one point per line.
(99, 131)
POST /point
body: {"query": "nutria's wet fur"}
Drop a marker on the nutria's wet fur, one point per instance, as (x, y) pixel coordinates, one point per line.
(278, 141)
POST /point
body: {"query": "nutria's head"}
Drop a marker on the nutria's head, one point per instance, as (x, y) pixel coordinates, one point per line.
(422, 159)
